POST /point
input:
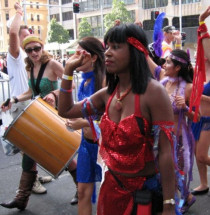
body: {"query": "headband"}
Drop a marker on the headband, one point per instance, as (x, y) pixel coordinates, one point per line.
(137, 44)
(31, 38)
(181, 60)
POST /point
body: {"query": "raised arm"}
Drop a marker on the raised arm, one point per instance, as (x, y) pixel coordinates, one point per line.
(205, 41)
(66, 106)
(156, 70)
(14, 41)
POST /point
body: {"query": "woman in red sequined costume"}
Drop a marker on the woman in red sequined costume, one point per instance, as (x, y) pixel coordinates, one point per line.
(137, 109)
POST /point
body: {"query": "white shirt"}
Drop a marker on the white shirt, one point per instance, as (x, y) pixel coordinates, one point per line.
(17, 73)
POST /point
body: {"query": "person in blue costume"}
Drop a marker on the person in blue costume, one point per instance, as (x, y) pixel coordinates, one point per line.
(201, 129)
(88, 171)
(47, 89)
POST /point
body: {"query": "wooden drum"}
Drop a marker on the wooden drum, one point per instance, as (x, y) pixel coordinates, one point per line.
(42, 134)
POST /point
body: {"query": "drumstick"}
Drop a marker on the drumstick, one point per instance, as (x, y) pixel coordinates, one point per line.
(7, 102)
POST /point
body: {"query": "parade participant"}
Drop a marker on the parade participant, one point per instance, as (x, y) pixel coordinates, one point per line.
(177, 75)
(132, 97)
(170, 35)
(201, 129)
(204, 32)
(88, 171)
(18, 79)
(202, 134)
(38, 62)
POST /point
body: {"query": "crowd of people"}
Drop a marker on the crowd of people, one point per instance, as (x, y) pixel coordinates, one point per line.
(144, 119)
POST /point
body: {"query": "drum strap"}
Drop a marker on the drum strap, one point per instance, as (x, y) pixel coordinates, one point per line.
(35, 88)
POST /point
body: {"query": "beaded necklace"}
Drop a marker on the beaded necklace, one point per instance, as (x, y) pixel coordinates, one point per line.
(118, 104)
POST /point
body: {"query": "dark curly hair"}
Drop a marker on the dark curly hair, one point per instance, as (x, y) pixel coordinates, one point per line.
(186, 71)
(139, 70)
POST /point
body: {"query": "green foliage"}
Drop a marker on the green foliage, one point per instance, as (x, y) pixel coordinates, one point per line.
(84, 28)
(118, 11)
(57, 33)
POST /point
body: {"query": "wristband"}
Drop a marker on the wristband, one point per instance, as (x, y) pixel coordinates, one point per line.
(178, 45)
(19, 12)
(202, 22)
(67, 77)
(66, 91)
(15, 99)
(202, 29)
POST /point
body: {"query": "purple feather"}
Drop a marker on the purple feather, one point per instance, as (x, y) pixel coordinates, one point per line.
(158, 34)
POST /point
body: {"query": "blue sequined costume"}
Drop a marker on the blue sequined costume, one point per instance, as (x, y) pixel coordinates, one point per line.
(88, 171)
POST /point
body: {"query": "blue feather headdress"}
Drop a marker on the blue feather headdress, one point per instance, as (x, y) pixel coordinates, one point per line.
(158, 34)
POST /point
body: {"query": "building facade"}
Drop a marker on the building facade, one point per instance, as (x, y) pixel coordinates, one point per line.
(35, 16)
(38, 16)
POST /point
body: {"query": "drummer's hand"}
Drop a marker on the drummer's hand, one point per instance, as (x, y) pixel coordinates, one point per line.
(50, 99)
(78, 59)
(76, 123)
(6, 105)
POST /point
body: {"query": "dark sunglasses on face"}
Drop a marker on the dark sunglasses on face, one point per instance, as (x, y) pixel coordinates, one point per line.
(36, 49)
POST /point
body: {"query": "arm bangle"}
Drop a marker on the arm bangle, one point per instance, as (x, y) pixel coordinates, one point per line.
(67, 77)
(202, 22)
(65, 91)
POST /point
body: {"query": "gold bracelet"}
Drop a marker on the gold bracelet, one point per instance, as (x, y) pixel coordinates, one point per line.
(67, 77)
(202, 22)
(178, 45)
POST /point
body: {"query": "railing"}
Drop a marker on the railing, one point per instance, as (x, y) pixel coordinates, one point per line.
(4, 87)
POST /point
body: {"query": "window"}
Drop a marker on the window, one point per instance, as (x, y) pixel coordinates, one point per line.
(55, 16)
(187, 21)
(37, 5)
(6, 3)
(32, 17)
(7, 16)
(149, 24)
(176, 2)
(32, 27)
(31, 6)
(67, 15)
(146, 4)
(38, 17)
(39, 30)
(66, 1)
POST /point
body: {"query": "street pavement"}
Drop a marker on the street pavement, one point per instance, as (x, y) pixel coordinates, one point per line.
(60, 191)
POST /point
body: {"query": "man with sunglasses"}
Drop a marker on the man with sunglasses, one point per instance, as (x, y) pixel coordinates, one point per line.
(18, 76)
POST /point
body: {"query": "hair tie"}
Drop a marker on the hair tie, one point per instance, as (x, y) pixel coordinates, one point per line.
(137, 44)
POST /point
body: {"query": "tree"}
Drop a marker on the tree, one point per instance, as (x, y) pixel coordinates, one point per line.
(118, 11)
(57, 33)
(84, 28)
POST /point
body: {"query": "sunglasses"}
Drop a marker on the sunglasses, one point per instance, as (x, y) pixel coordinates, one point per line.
(36, 49)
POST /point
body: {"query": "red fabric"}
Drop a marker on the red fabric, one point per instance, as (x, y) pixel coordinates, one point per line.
(113, 199)
(123, 147)
(199, 73)
(137, 44)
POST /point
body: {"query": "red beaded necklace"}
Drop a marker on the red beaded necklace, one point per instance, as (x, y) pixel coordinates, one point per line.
(118, 104)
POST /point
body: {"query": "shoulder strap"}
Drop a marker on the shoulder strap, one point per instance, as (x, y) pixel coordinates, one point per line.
(35, 88)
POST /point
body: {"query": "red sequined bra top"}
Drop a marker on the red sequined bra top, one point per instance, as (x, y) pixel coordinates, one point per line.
(128, 145)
